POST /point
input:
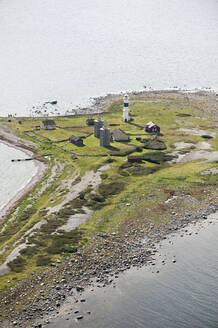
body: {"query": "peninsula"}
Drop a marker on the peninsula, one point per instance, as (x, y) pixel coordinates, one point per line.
(85, 218)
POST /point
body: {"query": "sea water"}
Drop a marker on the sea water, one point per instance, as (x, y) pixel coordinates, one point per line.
(181, 292)
(72, 50)
(14, 175)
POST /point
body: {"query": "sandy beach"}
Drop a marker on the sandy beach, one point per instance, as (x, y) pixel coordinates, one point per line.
(10, 140)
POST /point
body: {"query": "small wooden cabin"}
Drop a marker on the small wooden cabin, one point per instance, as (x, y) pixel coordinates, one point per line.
(151, 127)
(76, 140)
(48, 125)
(90, 121)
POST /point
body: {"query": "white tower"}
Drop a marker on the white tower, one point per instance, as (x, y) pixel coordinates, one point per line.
(126, 108)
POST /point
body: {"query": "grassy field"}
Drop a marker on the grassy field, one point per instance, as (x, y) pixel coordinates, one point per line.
(127, 193)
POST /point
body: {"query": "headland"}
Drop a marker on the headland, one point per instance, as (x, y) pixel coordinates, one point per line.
(89, 217)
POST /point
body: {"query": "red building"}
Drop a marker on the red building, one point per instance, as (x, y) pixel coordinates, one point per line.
(152, 127)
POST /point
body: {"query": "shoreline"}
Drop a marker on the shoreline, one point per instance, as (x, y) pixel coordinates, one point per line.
(71, 280)
(92, 265)
(74, 309)
(42, 169)
(106, 101)
(103, 102)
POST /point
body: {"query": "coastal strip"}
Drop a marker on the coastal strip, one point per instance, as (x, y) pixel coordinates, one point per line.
(42, 170)
(135, 207)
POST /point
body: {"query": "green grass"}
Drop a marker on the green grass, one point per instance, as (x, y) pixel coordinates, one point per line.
(153, 144)
(17, 265)
(123, 183)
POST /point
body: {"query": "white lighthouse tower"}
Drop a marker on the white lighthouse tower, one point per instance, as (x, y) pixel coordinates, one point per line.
(126, 108)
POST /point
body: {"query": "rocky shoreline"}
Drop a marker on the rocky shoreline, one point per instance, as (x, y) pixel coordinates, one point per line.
(99, 266)
(103, 103)
(34, 302)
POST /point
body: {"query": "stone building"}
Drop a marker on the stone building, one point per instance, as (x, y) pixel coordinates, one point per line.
(105, 137)
(97, 126)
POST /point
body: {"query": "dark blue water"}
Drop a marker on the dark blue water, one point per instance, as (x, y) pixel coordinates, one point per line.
(182, 295)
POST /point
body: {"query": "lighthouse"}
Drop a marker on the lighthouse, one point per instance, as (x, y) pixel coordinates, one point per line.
(126, 108)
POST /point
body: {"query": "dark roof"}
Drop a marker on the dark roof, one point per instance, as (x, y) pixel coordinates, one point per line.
(48, 122)
(119, 135)
(90, 120)
(150, 125)
(75, 138)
